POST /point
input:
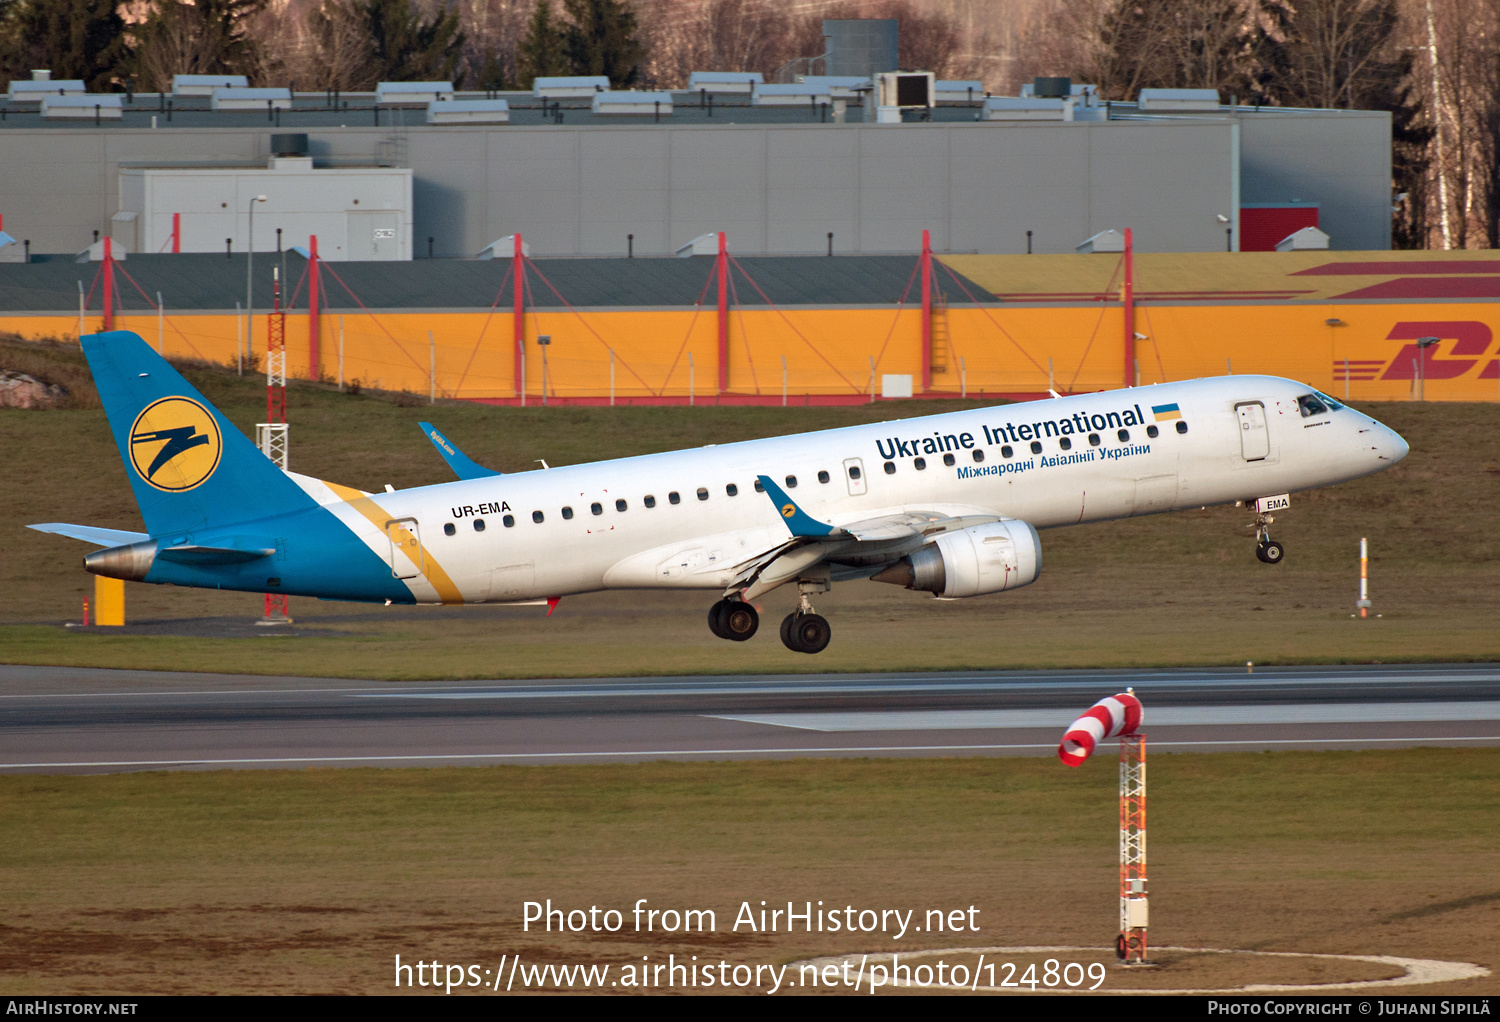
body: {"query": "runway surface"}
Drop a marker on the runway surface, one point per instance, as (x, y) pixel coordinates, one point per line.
(80, 720)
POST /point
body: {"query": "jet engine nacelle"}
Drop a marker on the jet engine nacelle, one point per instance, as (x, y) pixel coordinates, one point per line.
(972, 562)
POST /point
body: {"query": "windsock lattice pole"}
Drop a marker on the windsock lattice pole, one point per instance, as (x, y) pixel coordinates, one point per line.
(1121, 715)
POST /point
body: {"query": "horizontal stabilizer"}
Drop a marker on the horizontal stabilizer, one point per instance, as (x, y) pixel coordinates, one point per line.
(462, 465)
(91, 534)
(799, 522)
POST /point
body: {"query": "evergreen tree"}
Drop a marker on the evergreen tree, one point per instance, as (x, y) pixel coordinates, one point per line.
(73, 38)
(406, 48)
(601, 40)
(540, 54)
(202, 37)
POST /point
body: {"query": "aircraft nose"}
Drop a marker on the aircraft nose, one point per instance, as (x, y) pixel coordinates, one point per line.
(1392, 446)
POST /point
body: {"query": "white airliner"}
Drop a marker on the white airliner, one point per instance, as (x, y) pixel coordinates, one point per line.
(949, 504)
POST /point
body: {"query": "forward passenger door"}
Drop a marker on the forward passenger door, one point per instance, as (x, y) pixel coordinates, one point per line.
(1255, 442)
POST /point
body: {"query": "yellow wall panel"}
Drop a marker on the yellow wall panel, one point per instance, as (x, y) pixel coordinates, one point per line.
(1362, 350)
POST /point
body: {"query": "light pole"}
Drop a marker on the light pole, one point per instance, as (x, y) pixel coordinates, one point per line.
(249, 267)
(1423, 343)
(544, 341)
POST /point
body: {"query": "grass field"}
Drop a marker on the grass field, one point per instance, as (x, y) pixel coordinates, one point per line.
(312, 881)
(1170, 589)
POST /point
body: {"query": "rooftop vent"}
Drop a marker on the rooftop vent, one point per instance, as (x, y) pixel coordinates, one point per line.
(1052, 88)
(574, 87)
(1104, 241)
(291, 144)
(724, 81)
(468, 111)
(204, 85)
(1177, 99)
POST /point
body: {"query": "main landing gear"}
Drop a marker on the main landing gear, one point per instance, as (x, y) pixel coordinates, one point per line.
(733, 619)
(804, 630)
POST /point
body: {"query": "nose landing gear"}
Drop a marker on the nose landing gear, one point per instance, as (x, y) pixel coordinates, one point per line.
(1267, 550)
(735, 620)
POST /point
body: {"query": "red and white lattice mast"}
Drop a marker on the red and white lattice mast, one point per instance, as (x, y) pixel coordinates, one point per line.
(1121, 715)
(271, 435)
(1130, 946)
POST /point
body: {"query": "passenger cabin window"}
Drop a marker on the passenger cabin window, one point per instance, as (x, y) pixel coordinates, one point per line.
(448, 529)
(1093, 439)
(854, 472)
(1181, 426)
(620, 504)
(1005, 452)
(702, 493)
(890, 468)
(567, 513)
(1124, 436)
(1036, 447)
(508, 521)
(674, 498)
(823, 477)
(979, 455)
(948, 460)
(479, 525)
(648, 500)
(758, 487)
(597, 508)
(1310, 405)
(919, 464)
(538, 517)
(732, 490)
(791, 482)
(1152, 432)
(1065, 444)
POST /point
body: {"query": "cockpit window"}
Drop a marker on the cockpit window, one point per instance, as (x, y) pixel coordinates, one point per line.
(1333, 405)
(1310, 405)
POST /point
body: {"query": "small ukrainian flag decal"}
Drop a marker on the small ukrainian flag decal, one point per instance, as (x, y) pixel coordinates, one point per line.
(1165, 412)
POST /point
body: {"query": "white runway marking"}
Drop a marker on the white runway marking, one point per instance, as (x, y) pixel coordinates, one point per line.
(1166, 716)
(441, 758)
(1414, 971)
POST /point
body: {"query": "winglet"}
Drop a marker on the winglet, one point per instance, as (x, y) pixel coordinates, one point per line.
(462, 465)
(798, 521)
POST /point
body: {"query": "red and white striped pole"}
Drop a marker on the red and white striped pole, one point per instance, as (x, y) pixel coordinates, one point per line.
(1364, 578)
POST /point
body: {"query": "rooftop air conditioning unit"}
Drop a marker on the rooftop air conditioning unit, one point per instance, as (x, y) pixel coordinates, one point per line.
(905, 89)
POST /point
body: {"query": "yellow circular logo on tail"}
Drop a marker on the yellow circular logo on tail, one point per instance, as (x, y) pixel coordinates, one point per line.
(787, 510)
(175, 444)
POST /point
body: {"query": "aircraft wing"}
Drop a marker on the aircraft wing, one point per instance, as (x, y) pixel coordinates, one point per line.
(462, 465)
(91, 534)
(854, 548)
(894, 524)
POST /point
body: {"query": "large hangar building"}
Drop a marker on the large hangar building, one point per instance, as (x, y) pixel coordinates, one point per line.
(577, 179)
(823, 191)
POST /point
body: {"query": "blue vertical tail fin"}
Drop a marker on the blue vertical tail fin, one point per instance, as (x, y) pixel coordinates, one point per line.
(189, 467)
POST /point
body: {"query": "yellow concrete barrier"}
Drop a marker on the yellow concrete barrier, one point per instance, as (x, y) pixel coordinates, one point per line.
(109, 601)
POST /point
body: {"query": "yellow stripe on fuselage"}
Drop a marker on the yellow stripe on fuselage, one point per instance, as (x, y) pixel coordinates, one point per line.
(431, 570)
